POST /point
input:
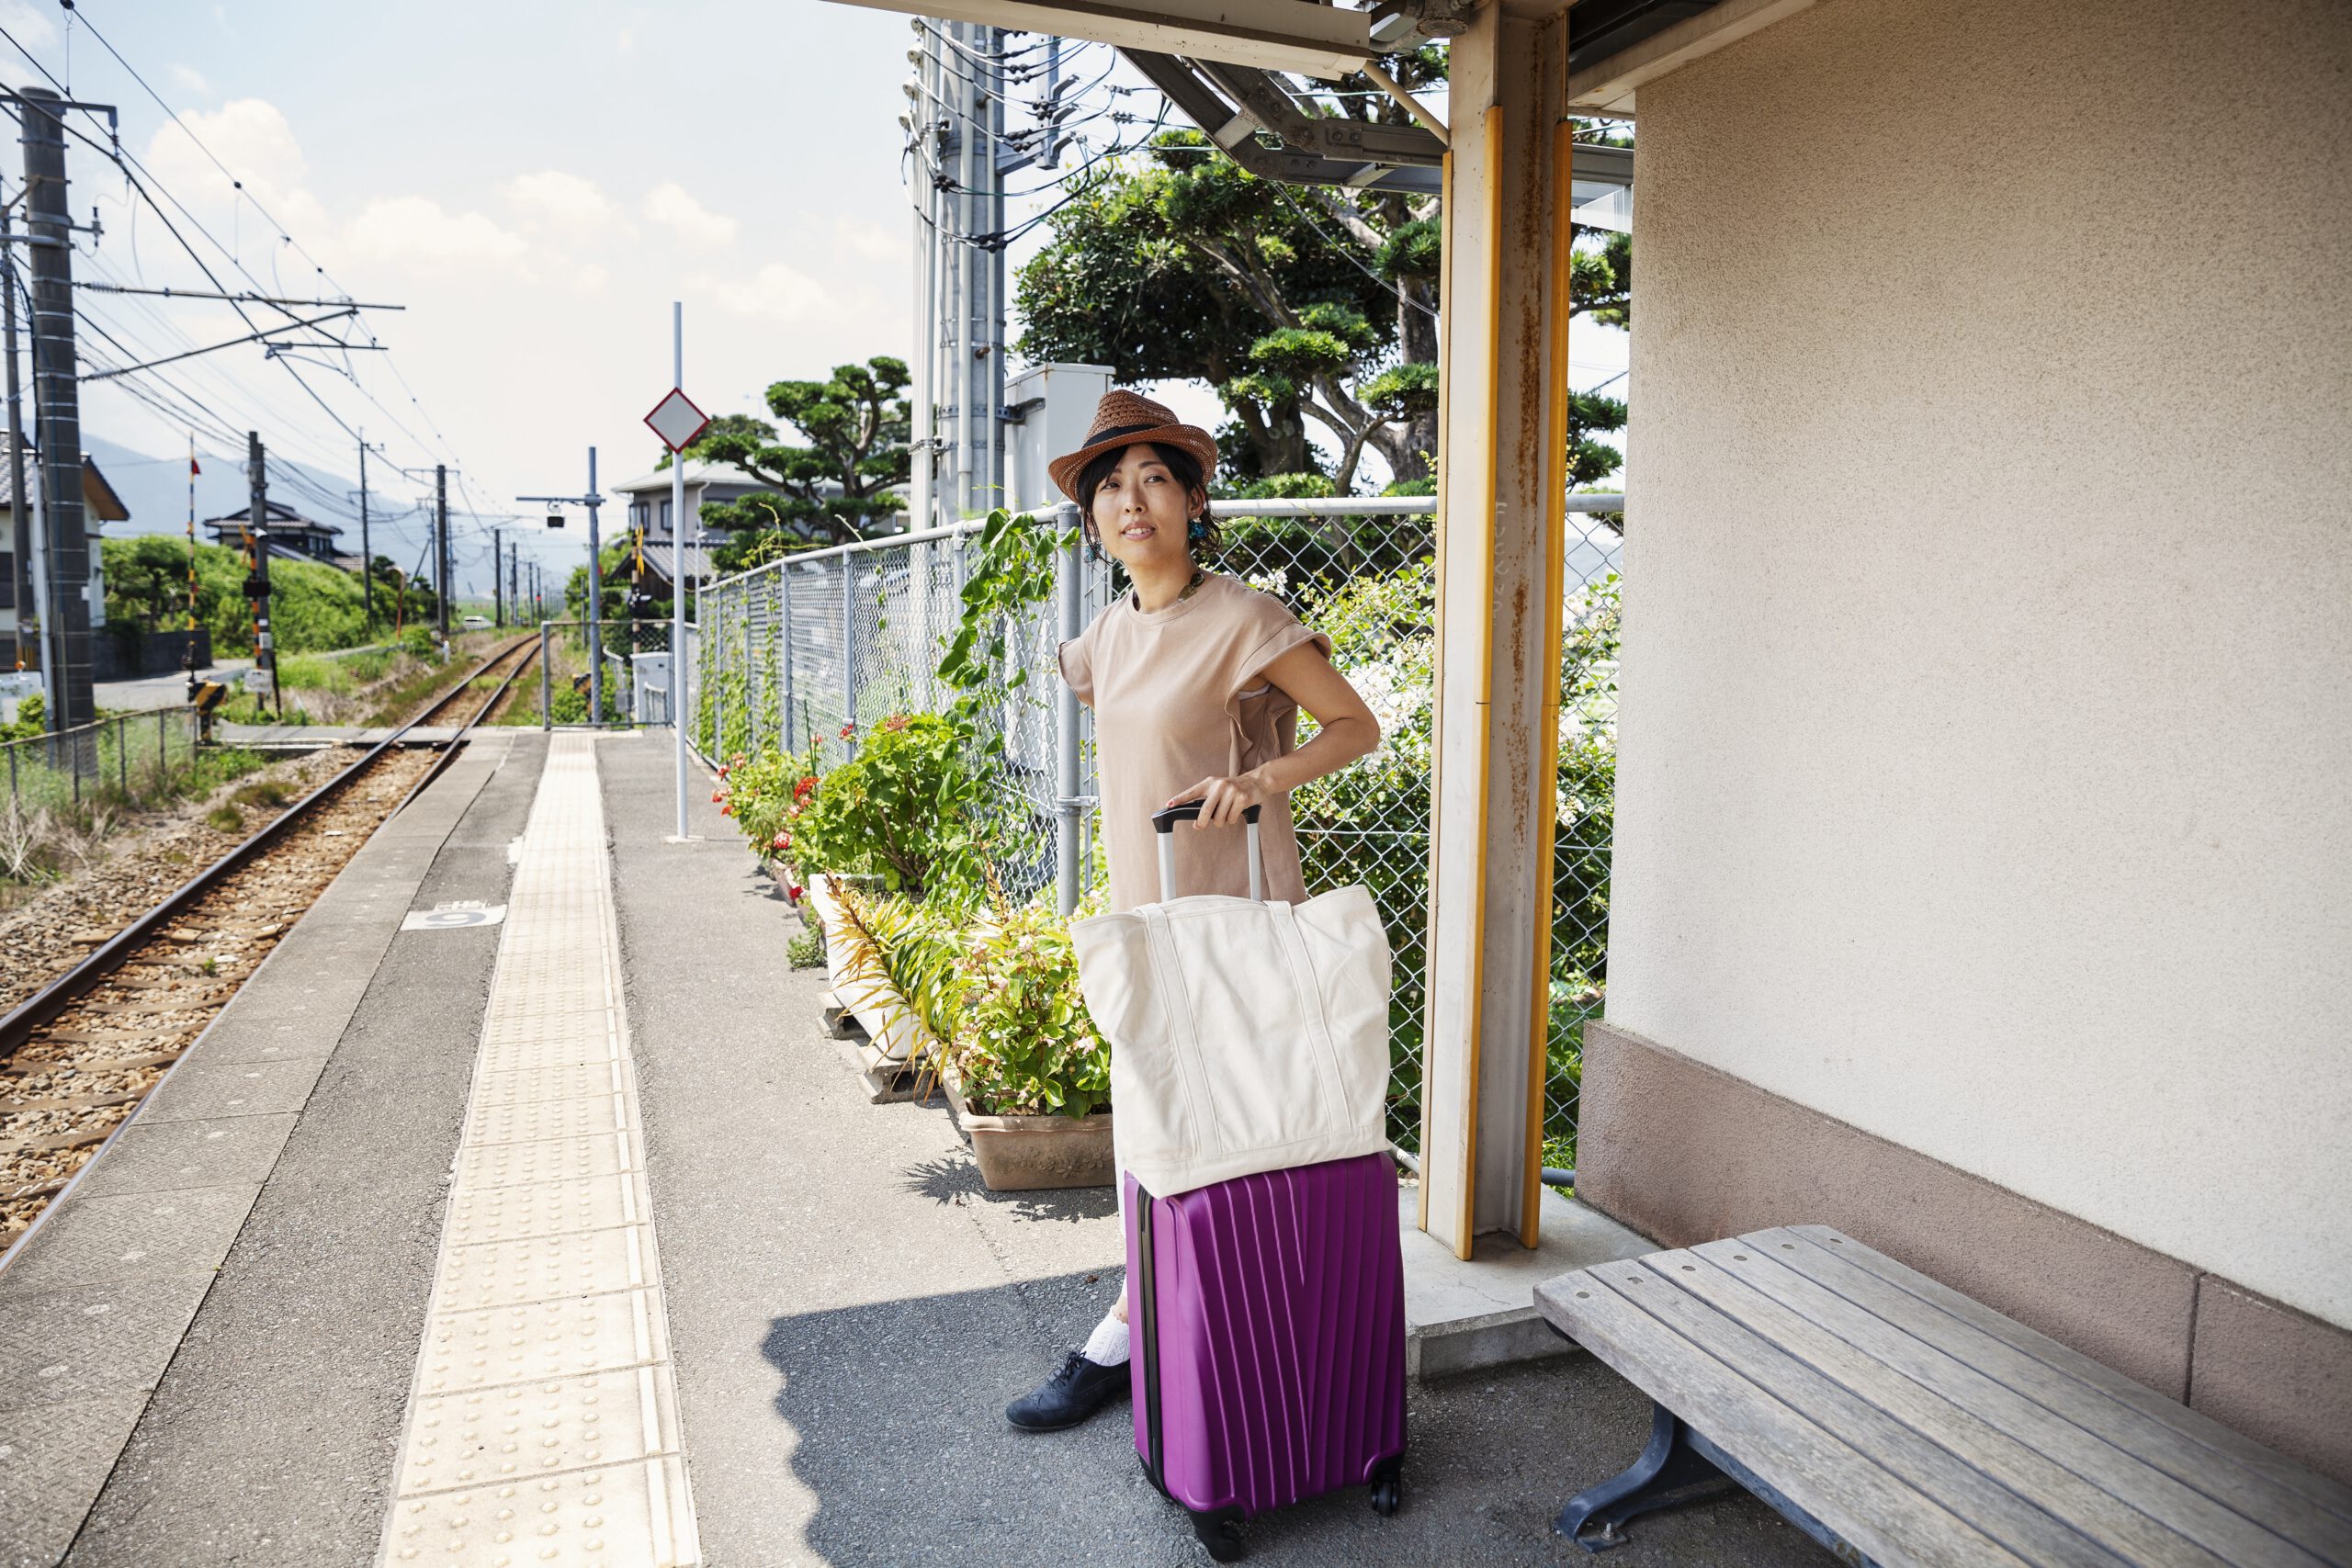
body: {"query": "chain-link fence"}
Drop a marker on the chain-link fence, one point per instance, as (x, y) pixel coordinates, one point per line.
(806, 652)
(125, 760)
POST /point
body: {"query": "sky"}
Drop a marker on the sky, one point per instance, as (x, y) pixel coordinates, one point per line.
(534, 186)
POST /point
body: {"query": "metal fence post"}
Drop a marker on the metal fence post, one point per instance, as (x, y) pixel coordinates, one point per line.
(787, 726)
(849, 653)
(162, 754)
(1067, 814)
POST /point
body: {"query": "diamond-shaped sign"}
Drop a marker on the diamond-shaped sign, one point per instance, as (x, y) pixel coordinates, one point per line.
(677, 420)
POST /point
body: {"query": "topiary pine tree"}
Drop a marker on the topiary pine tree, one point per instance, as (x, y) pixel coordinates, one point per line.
(834, 488)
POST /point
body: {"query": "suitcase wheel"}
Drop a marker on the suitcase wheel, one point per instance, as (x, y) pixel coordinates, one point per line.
(1220, 1532)
(1388, 1490)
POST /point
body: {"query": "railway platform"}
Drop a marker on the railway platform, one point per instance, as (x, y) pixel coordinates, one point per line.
(519, 1210)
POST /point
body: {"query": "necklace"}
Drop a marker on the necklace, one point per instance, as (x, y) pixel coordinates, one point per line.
(1135, 595)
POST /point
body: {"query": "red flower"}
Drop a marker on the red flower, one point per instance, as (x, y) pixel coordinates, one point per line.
(723, 767)
(895, 723)
(804, 789)
(848, 730)
(727, 810)
(716, 796)
(793, 891)
(783, 842)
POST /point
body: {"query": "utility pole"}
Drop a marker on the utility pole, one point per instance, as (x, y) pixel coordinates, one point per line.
(497, 588)
(258, 585)
(595, 586)
(20, 565)
(57, 405)
(366, 551)
(958, 119)
(441, 543)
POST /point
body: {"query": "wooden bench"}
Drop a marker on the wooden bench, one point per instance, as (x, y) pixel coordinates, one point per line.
(1896, 1421)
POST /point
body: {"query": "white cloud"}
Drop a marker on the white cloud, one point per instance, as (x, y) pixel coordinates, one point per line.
(418, 232)
(188, 79)
(870, 242)
(627, 44)
(250, 135)
(30, 24)
(775, 292)
(569, 203)
(670, 205)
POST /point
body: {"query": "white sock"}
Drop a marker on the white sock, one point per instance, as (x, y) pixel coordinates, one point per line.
(1107, 1345)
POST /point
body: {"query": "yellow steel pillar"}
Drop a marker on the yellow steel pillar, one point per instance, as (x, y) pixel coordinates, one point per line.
(1501, 520)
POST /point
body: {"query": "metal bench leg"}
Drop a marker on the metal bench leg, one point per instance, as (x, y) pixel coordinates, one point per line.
(1670, 1473)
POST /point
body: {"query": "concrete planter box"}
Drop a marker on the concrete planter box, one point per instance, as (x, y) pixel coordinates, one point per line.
(896, 1040)
(1025, 1153)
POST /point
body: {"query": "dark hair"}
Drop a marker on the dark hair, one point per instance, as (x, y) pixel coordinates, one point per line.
(1200, 538)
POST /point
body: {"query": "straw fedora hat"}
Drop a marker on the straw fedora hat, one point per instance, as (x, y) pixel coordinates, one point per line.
(1124, 419)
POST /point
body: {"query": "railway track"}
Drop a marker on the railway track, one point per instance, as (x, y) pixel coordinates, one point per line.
(78, 1055)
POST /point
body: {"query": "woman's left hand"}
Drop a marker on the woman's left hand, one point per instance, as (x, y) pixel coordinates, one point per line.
(1223, 800)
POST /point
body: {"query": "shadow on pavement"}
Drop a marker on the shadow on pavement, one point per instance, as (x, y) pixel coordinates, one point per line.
(955, 1178)
(898, 1436)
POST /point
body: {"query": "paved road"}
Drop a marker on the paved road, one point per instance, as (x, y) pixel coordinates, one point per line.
(168, 691)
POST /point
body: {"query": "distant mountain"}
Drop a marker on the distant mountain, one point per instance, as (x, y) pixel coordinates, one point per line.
(155, 490)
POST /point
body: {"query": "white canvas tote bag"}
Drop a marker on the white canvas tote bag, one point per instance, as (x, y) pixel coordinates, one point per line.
(1244, 1035)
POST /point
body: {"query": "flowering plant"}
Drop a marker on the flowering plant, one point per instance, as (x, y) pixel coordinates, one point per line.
(909, 807)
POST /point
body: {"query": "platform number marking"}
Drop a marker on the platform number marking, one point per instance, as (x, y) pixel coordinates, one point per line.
(462, 912)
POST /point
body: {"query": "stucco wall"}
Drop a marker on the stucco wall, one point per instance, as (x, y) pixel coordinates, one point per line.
(1985, 747)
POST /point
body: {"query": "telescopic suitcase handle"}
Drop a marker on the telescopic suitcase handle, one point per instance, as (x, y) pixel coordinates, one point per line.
(1163, 822)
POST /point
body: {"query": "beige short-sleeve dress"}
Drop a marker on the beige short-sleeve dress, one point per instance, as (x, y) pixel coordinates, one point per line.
(1180, 694)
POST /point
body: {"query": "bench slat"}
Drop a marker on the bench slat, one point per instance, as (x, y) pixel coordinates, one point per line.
(1936, 1350)
(2328, 1493)
(2129, 1534)
(2033, 1533)
(1886, 1519)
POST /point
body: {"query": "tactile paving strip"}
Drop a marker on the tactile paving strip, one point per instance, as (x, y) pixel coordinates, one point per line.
(542, 1426)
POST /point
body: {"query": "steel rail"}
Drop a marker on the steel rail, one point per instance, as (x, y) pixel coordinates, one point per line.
(448, 750)
(53, 999)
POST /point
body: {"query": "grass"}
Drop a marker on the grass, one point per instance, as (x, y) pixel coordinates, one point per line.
(38, 844)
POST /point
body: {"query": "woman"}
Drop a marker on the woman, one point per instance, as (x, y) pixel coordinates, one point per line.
(1196, 681)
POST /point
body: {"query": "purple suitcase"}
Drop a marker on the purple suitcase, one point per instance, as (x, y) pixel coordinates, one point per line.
(1269, 1315)
(1269, 1363)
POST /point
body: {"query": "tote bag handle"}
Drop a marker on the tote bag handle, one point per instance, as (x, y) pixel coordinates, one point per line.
(1163, 822)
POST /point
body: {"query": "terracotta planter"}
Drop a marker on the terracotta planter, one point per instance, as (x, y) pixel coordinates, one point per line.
(1025, 1153)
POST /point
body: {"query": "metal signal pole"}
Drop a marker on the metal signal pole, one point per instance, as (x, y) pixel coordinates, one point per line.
(441, 543)
(595, 612)
(678, 572)
(257, 586)
(497, 587)
(366, 552)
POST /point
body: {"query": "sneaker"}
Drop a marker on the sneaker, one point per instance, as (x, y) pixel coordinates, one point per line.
(1076, 1391)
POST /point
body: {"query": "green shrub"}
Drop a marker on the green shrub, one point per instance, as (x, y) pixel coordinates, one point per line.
(911, 808)
(907, 809)
(1022, 1039)
(32, 718)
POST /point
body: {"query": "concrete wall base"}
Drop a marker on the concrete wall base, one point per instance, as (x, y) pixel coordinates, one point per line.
(1685, 1152)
